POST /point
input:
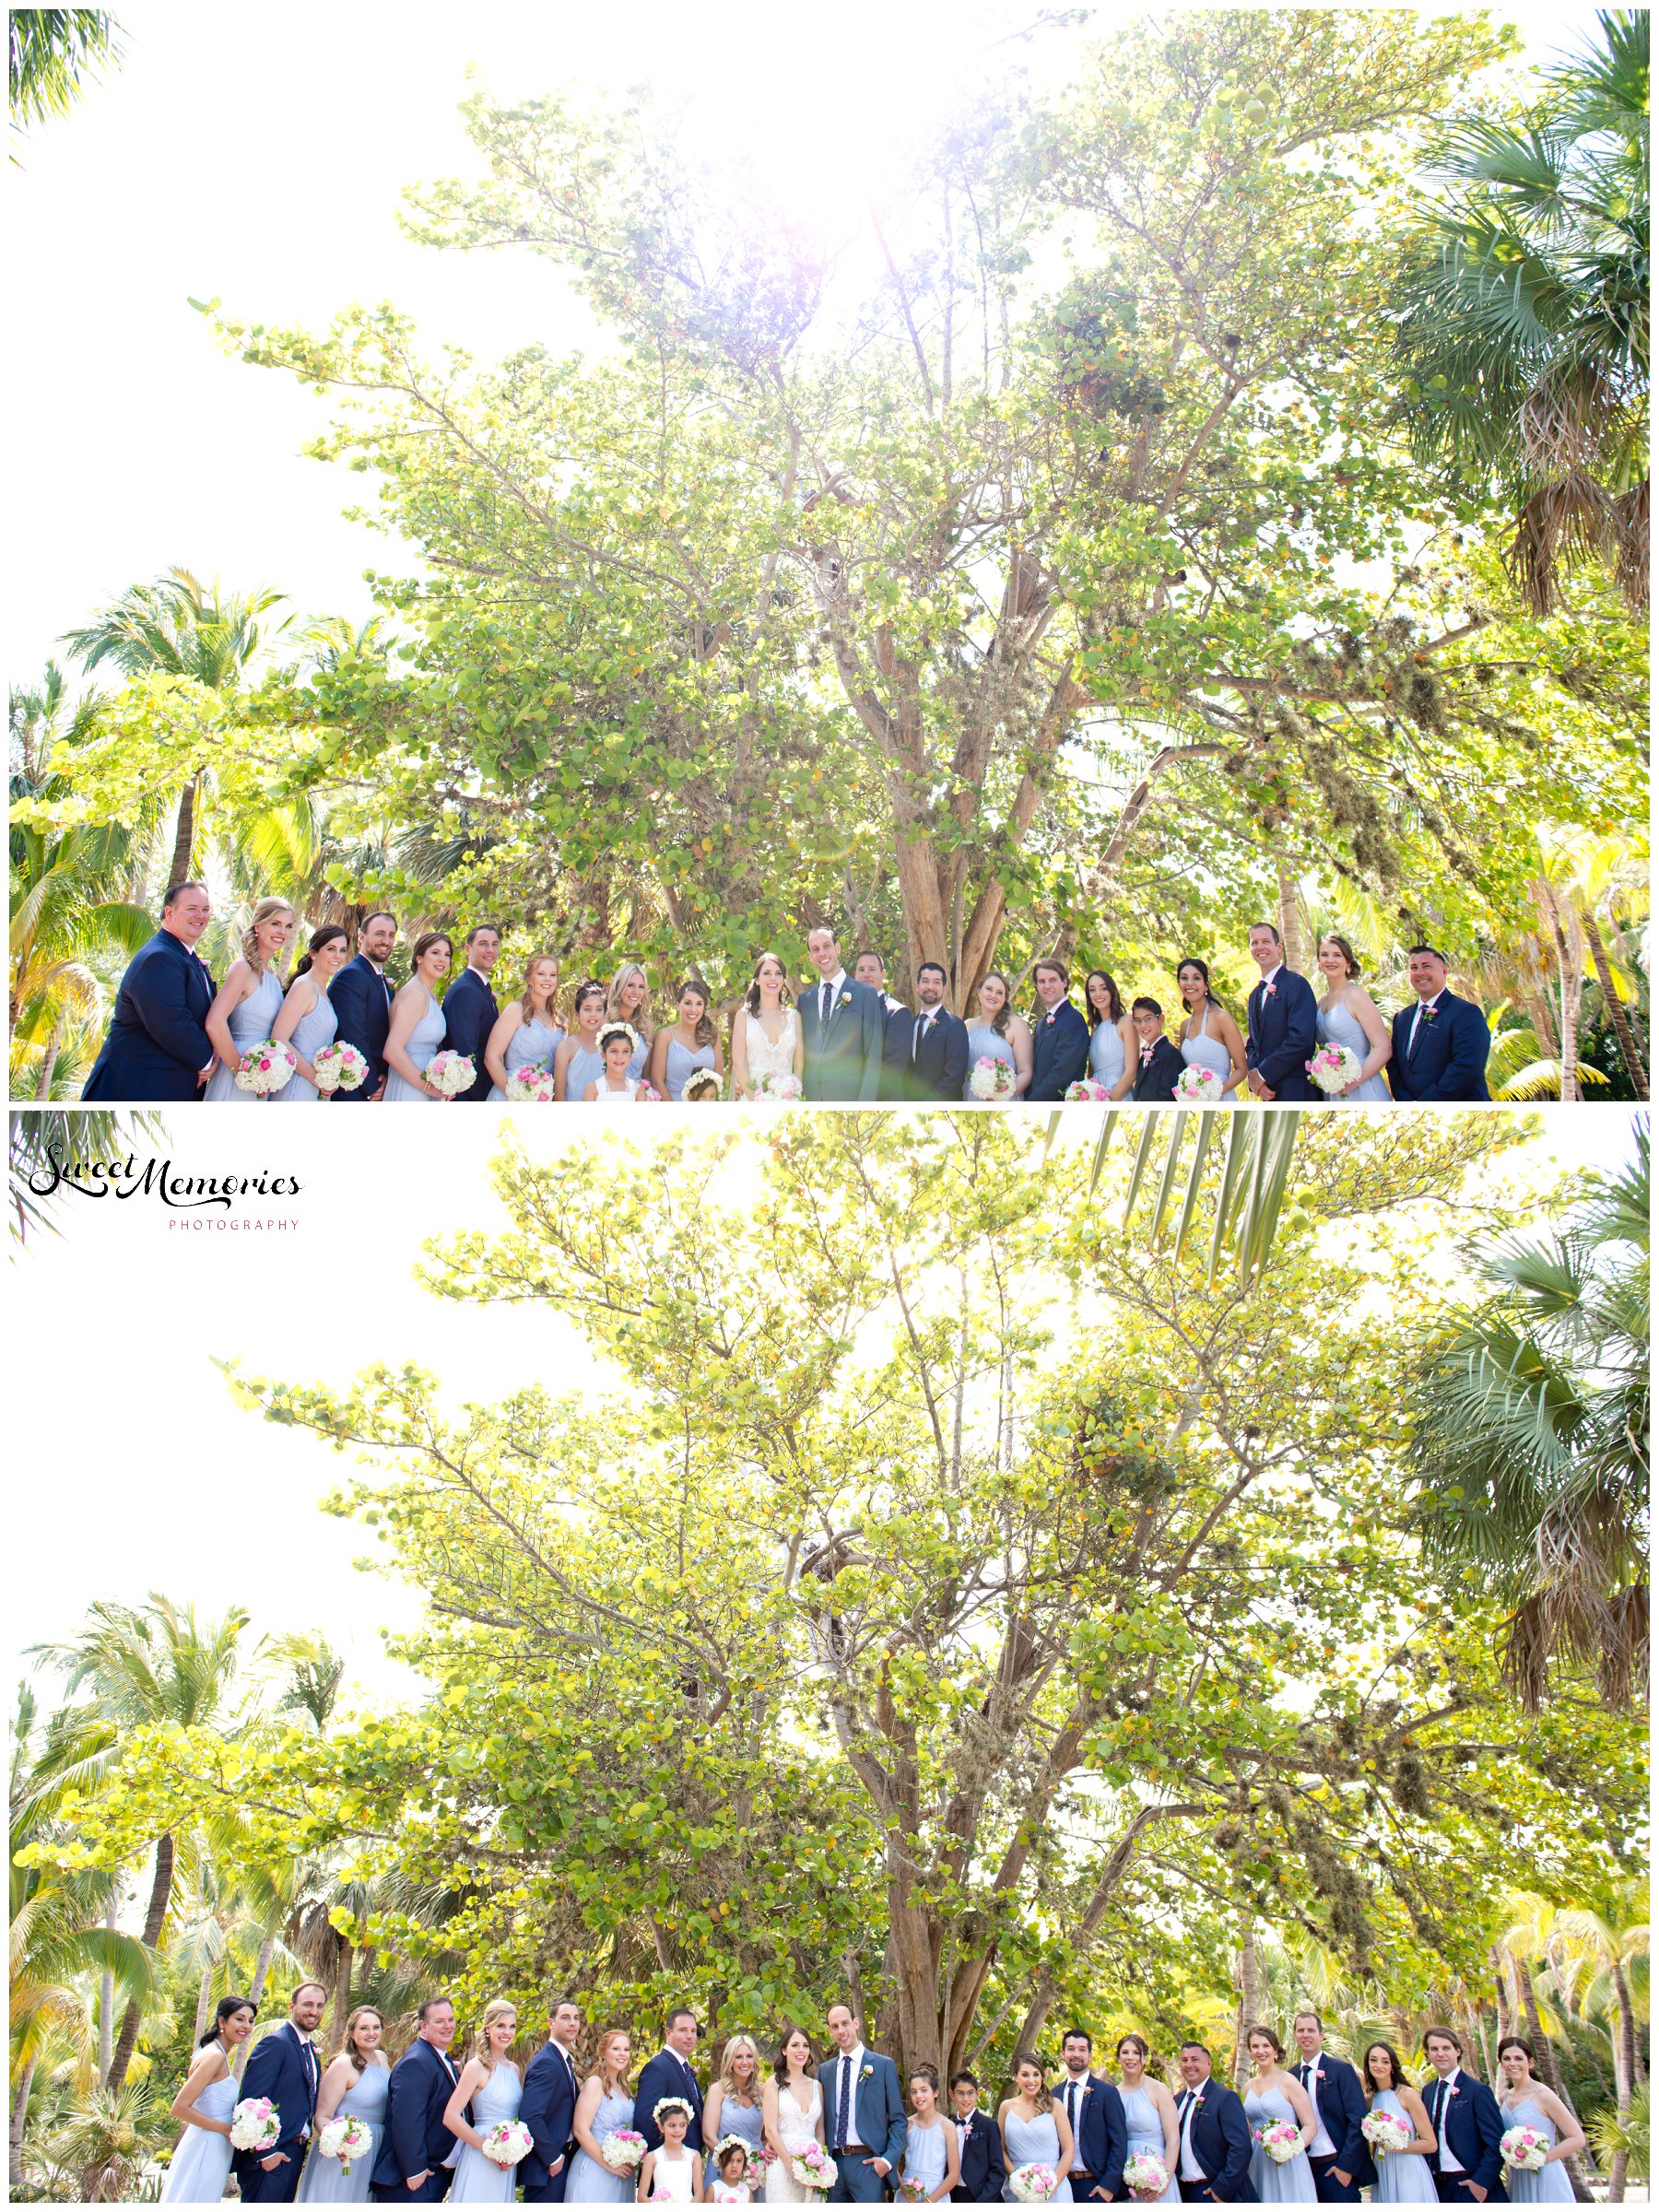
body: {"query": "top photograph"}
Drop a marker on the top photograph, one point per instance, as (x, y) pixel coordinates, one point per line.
(964, 555)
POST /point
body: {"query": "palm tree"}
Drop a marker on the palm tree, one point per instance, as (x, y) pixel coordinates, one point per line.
(1531, 1440)
(1605, 1938)
(46, 1144)
(151, 1665)
(1605, 877)
(1523, 332)
(55, 53)
(1254, 1172)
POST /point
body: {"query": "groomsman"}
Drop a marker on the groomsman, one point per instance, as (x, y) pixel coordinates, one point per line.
(934, 1043)
(1468, 2126)
(1440, 1044)
(548, 2107)
(865, 2124)
(1338, 2154)
(1160, 1062)
(843, 1024)
(361, 997)
(411, 2168)
(283, 2066)
(470, 1006)
(1214, 2164)
(870, 970)
(1283, 1022)
(985, 2164)
(1059, 1035)
(157, 1048)
(1099, 2129)
(669, 2075)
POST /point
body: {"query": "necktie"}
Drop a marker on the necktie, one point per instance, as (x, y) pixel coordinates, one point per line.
(1417, 1030)
(1071, 2121)
(843, 2075)
(917, 1036)
(824, 1008)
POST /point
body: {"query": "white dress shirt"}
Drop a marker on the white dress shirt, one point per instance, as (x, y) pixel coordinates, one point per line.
(1447, 2160)
(1189, 2168)
(853, 2139)
(1322, 2146)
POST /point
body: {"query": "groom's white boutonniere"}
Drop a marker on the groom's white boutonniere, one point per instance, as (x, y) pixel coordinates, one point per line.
(866, 2073)
(846, 998)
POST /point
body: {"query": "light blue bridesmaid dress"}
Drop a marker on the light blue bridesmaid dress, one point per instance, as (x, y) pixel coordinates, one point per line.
(1199, 1049)
(478, 2180)
(1029, 2141)
(1106, 1055)
(1403, 2177)
(310, 1034)
(323, 2183)
(1337, 1026)
(532, 1044)
(680, 1063)
(425, 1042)
(737, 2119)
(924, 2159)
(586, 1067)
(200, 2166)
(1146, 2134)
(250, 1024)
(1291, 2184)
(984, 1043)
(591, 2183)
(1550, 2185)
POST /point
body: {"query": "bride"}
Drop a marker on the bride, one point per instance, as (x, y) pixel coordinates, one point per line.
(766, 1036)
(792, 2110)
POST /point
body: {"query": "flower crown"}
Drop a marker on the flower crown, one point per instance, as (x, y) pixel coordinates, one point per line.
(671, 2104)
(727, 2144)
(697, 1082)
(608, 1029)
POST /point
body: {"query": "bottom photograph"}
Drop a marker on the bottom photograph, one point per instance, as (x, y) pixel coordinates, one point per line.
(915, 1655)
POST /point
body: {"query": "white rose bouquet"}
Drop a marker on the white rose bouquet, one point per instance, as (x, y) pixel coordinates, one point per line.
(531, 1086)
(266, 1068)
(344, 2137)
(255, 2125)
(339, 1068)
(1333, 1068)
(451, 1073)
(506, 2143)
(991, 1079)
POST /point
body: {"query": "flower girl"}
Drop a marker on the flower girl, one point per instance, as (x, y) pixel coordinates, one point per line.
(614, 1086)
(731, 2172)
(672, 2174)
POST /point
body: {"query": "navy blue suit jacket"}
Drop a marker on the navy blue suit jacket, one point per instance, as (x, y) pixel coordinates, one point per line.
(1100, 2142)
(1155, 1083)
(362, 1004)
(469, 1015)
(157, 1043)
(984, 2165)
(277, 2069)
(1451, 1055)
(1059, 1051)
(1283, 1033)
(895, 1048)
(666, 2075)
(549, 2110)
(939, 1069)
(415, 2139)
(1470, 2124)
(1340, 2102)
(1221, 2135)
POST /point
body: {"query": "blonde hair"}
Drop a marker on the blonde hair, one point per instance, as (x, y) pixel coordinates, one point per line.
(613, 996)
(531, 965)
(497, 2010)
(728, 2080)
(262, 912)
(611, 2036)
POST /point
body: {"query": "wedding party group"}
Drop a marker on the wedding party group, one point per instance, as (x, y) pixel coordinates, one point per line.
(338, 1029)
(836, 2124)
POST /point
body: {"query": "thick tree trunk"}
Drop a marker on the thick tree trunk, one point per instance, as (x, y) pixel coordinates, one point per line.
(1289, 919)
(342, 1999)
(1629, 1049)
(154, 1921)
(106, 2004)
(185, 835)
(1624, 2072)
(20, 2115)
(1250, 2001)
(1548, 2067)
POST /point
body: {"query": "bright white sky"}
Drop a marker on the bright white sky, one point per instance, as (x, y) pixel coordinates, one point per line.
(257, 155)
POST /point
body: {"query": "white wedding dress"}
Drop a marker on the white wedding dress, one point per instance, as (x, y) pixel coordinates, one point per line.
(798, 2127)
(765, 1058)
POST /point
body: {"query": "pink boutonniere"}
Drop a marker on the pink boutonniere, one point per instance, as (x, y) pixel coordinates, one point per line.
(1049, 1017)
(1273, 990)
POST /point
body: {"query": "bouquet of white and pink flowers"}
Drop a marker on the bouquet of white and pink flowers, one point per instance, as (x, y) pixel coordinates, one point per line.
(1281, 2139)
(451, 1073)
(339, 1068)
(344, 2137)
(991, 1079)
(913, 2193)
(645, 1092)
(779, 1090)
(264, 1068)
(1142, 2171)
(722, 2193)
(1033, 2185)
(531, 1086)
(813, 2167)
(1525, 2148)
(507, 2142)
(1333, 1068)
(1202, 1084)
(623, 2148)
(1384, 2131)
(1088, 1091)
(255, 2125)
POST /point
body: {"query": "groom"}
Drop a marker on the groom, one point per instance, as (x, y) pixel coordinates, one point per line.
(865, 2126)
(843, 1024)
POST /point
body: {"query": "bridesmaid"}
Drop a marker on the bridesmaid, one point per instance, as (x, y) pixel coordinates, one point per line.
(1149, 2115)
(931, 2161)
(999, 1034)
(766, 1036)
(307, 1020)
(526, 1031)
(732, 2108)
(691, 1042)
(1209, 1036)
(200, 2165)
(1403, 2177)
(1526, 2102)
(249, 1001)
(1346, 1015)
(417, 1032)
(605, 2104)
(356, 2082)
(1034, 2128)
(491, 2085)
(1113, 1047)
(628, 1000)
(1272, 2094)
(578, 1060)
